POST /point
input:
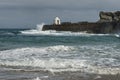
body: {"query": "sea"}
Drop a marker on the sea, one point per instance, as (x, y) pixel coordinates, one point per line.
(33, 54)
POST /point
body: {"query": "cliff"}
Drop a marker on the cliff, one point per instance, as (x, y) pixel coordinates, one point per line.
(110, 16)
(109, 23)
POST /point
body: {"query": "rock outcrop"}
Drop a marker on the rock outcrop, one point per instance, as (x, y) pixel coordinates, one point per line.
(88, 27)
(110, 16)
(109, 23)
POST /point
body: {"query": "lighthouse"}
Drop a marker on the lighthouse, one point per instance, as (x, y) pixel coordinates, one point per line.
(57, 21)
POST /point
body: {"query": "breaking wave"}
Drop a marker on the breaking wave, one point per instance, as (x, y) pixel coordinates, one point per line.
(3, 33)
(117, 35)
(62, 58)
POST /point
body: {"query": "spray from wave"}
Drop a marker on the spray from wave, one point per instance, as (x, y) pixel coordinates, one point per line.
(36, 31)
(40, 26)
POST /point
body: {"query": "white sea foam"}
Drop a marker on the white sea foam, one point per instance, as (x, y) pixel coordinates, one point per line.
(37, 78)
(41, 77)
(38, 31)
(117, 35)
(56, 59)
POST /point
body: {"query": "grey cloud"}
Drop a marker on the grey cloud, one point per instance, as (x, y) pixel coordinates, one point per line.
(61, 4)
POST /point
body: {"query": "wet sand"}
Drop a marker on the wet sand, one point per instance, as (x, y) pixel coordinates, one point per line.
(21, 75)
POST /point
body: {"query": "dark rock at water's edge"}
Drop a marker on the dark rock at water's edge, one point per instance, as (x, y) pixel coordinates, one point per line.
(109, 23)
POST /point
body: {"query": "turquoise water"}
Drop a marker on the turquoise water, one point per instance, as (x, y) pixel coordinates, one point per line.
(52, 51)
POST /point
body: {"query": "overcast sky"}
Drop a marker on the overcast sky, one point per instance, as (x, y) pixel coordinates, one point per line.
(28, 13)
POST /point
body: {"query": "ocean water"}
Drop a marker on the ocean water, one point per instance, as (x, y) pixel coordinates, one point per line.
(40, 55)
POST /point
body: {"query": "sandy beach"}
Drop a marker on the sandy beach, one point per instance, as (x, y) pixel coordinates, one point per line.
(21, 75)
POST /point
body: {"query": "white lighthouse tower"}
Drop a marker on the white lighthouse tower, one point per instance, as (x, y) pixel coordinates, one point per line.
(57, 21)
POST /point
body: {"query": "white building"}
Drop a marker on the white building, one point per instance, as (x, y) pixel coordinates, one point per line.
(57, 21)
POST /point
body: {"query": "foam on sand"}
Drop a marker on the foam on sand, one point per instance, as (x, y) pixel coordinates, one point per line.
(37, 78)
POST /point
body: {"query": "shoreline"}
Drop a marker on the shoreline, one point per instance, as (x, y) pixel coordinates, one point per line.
(21, 75)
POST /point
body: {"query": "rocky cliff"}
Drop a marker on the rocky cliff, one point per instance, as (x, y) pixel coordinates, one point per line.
(110, 16)
(109, 23)
(97, 27)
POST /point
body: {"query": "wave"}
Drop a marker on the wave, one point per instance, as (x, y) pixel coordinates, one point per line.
(10, 32)
(38, 31)
(117, 35)
(61, 58)
(6, 33)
